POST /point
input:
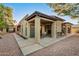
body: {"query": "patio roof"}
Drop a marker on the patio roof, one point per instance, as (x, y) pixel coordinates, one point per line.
(36, 13)
(68, 23)
(23, 18)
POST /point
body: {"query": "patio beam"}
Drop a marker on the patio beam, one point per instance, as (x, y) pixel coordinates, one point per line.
(31, 20)
(46, 19)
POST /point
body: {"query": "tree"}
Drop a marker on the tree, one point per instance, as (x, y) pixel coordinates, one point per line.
(8, 13)
(70, 9)
(2, 24)
(5, 16)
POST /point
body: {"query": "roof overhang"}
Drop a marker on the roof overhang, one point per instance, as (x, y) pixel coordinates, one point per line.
(54, 18)
(67, 23)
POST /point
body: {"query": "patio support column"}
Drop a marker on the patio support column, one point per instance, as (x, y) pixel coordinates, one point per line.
(43, 29)
(24, 29)
(28, 29)
(37, 29)
(21, 30)
(53, 30)
(66, 30)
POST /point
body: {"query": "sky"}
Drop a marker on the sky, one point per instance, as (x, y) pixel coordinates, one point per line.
(22, 9)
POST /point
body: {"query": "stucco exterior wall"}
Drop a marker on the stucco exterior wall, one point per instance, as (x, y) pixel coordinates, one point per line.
(23, 28)
(59, 26)
(74, 29)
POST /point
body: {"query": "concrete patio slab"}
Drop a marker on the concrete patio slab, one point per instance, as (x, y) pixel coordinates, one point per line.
(30, 49)
(48, 41)
(29, 46)
(67, 47)
(25, 43)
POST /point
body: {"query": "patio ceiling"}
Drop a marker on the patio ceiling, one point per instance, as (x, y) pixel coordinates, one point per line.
(42, 21)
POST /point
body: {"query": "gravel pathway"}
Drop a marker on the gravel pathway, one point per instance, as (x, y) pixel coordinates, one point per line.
(9, 46)
(66, 47)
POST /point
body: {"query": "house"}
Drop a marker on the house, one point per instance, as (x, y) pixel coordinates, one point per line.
(39, 25)
(67, 27)
(21, 27)
(9, 22)
(11, 26)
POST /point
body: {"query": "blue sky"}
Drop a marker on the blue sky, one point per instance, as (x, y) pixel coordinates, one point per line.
(22, 9)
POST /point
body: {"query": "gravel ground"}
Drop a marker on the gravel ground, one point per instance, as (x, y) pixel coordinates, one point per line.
(9, 46)
(66, 47)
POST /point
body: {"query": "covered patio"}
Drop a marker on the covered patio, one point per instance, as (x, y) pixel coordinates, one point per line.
(40, 26)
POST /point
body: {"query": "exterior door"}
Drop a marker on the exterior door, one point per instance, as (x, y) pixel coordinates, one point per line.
(48, 30)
